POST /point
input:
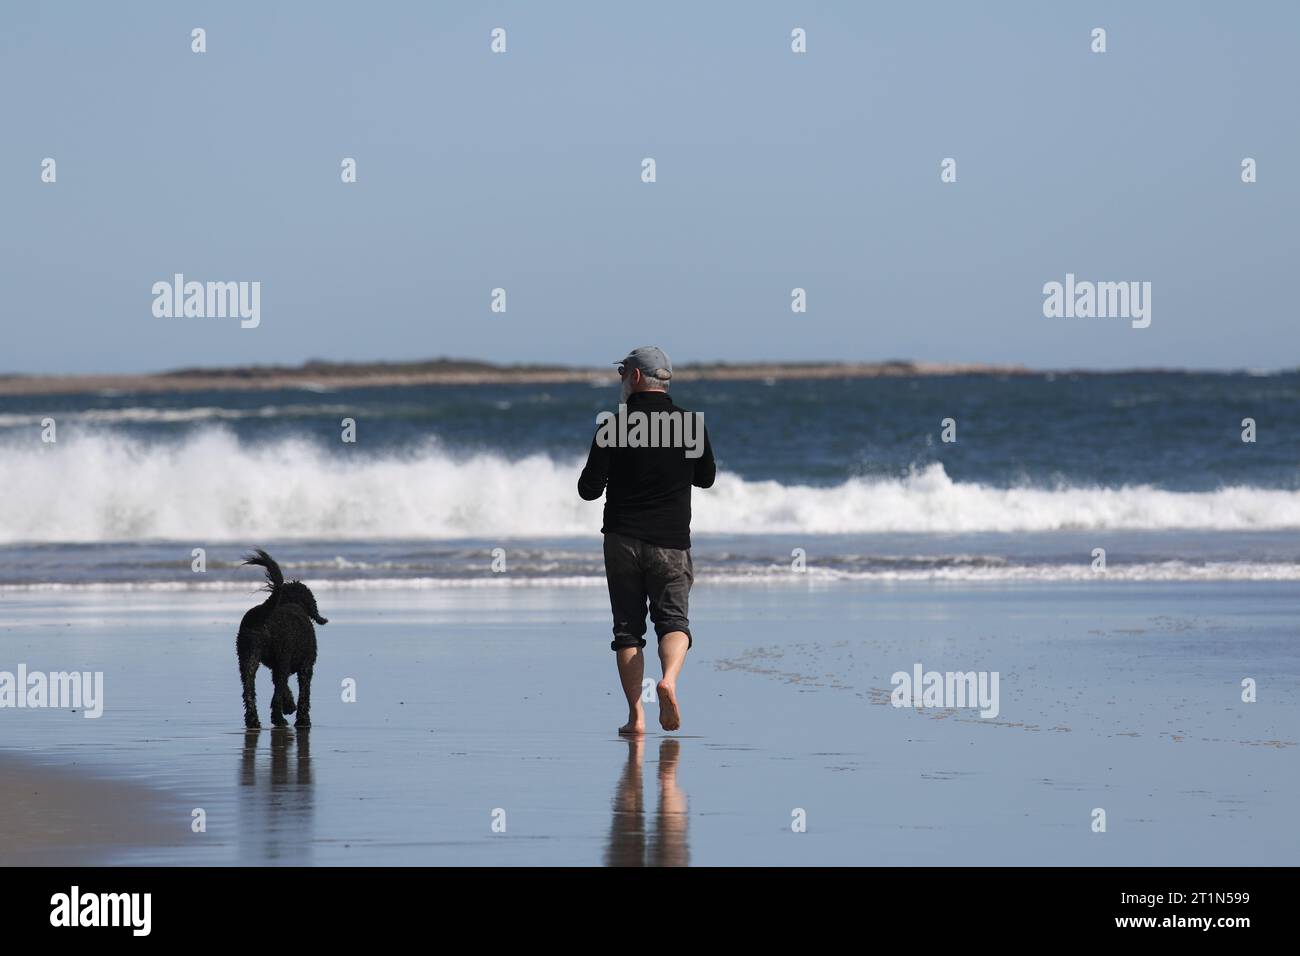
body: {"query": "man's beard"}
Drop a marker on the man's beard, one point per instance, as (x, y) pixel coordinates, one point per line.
(624, 391)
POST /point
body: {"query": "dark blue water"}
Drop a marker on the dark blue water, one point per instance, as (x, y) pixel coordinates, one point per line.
(1169, 430)
(851, 472)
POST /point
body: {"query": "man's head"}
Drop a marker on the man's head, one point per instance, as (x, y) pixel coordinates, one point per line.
(645, 369)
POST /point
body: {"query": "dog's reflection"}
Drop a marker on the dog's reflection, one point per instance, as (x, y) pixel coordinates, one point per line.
(276, 798)
(667, 843)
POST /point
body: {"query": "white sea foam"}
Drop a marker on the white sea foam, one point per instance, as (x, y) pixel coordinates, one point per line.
(142, 415)
(775, 575)
(210, 487)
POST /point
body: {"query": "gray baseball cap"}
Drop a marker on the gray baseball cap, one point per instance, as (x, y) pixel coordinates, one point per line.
(651, 360)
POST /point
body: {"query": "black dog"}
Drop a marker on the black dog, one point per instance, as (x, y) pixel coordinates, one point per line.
(278, 633)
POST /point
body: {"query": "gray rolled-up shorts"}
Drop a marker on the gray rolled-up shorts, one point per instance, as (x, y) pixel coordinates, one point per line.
(641, 574)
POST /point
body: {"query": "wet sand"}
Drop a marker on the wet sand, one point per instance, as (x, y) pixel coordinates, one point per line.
(483, 731)
(52, 815)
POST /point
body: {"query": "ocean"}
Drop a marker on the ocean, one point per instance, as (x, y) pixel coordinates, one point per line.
(847, 477)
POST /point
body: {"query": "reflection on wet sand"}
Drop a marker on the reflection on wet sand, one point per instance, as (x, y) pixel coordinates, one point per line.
(667, 844)
(276, 809)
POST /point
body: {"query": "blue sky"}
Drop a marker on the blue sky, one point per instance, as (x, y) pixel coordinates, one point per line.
(522, 171)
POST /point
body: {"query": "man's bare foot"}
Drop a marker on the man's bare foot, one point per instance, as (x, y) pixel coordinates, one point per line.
(670, 718)
(635, 725)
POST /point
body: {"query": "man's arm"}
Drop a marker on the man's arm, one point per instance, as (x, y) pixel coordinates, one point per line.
(705, 468)
(591, 483)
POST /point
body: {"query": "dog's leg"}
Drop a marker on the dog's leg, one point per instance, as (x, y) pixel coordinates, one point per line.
(248, 676)
(277, 698)
(304, 698)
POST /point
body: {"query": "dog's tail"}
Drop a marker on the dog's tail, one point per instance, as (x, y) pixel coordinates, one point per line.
(274, 579)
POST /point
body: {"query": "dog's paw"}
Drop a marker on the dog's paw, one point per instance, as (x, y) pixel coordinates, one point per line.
(253, 724)
(300, 723)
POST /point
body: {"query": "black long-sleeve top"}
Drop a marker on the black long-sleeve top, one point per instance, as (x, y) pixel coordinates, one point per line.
(647, 490)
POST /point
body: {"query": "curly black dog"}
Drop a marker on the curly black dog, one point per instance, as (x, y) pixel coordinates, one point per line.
(278, 633)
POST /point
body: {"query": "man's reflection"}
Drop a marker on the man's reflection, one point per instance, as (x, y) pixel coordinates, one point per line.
(667, 844)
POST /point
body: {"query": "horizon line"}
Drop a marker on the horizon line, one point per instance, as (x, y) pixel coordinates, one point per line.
(321, 373)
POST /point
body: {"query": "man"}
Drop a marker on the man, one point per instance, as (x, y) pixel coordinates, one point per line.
(647, 525)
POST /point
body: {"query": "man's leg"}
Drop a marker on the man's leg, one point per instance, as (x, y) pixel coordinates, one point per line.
(631, 671)
(672, 655)
(669, 575)
(627, 600)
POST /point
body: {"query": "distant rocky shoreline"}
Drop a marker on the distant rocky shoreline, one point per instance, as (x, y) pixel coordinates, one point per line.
(332, 375)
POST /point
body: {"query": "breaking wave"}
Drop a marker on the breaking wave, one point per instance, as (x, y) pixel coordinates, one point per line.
(105, 487)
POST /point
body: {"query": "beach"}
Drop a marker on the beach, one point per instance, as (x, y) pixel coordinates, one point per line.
(483, 705)
(1121, 563)
(966, 467)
